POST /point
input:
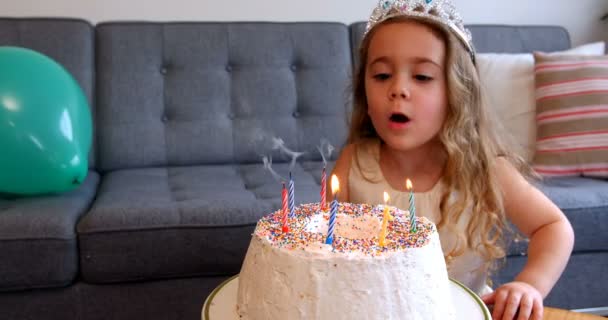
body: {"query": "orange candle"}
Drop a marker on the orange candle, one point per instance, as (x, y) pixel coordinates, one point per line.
(385, 218)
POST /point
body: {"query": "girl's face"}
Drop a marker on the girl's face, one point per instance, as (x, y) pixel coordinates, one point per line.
(405, 84)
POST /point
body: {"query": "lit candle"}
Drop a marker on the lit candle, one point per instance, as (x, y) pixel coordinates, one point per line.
(412, 206)
(292, 201)
(385, 218)
(335, 187)
(323, 190)
(284, 217)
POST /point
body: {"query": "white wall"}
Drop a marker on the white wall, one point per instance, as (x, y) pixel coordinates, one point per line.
(580, 17)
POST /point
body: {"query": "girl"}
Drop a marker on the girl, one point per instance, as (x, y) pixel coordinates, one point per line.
(418, 115)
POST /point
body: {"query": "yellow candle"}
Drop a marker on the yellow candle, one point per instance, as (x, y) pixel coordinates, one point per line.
(385, 218)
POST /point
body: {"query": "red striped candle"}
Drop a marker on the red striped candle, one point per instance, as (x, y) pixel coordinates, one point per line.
(285, 210)
(323, 191)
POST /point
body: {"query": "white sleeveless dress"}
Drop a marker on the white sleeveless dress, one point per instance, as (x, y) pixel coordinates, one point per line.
(366, 184)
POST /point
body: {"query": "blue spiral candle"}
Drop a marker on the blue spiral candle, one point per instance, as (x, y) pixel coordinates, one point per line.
(332, 222)
(292, 201)
(335, 186)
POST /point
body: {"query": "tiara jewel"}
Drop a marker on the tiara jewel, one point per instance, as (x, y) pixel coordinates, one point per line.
(442, 12)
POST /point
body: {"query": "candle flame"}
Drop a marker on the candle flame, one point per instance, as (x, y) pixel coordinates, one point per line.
(335, 184)
(408, 184)
(386, 197)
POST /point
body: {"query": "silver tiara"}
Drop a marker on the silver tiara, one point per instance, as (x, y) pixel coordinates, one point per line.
(442, 12)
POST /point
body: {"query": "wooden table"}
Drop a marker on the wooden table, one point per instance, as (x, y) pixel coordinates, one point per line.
(559, 314)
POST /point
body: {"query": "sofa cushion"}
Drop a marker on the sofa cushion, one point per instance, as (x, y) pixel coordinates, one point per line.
(585, 203)
(572, 115)
(501, 74)
(38, 237)
(178, 94)
(582, 285)
(181, 221)
(67, 41)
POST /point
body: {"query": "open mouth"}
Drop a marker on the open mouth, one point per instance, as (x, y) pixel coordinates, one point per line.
(399, 118)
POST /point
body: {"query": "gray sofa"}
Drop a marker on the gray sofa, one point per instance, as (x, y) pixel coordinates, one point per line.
(176, 181)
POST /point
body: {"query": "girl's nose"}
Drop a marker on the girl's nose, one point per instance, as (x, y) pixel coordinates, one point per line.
(399, 90)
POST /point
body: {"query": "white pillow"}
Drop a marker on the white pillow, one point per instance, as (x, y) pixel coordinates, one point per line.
(507, 82)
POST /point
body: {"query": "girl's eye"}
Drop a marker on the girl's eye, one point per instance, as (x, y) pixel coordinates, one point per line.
(421, 77)
(382, 76)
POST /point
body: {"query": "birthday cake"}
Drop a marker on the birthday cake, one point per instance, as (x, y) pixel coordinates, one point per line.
(296, 275)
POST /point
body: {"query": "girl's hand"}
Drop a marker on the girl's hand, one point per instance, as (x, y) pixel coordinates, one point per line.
(515, 299)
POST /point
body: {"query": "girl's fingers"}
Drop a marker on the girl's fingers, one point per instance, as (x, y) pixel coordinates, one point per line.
(489, 298)
(537, 310)
(500, 298)
(525, 307)
(511, 306)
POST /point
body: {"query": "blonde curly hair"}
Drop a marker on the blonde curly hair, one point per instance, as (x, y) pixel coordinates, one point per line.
(472, 141)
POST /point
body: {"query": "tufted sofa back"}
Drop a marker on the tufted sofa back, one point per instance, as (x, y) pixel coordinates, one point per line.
(67, 41)
(171, 94)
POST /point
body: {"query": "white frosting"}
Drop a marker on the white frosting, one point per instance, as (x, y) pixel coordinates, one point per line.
(347, 226)
(317, 282)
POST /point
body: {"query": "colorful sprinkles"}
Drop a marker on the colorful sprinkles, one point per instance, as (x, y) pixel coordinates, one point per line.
(399, 237)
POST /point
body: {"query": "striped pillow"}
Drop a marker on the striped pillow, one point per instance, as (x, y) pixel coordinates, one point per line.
(571, 115)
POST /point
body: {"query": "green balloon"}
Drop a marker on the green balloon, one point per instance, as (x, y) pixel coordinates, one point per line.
(45, 125)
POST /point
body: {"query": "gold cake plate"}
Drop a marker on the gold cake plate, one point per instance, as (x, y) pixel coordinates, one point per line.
(221, 303)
